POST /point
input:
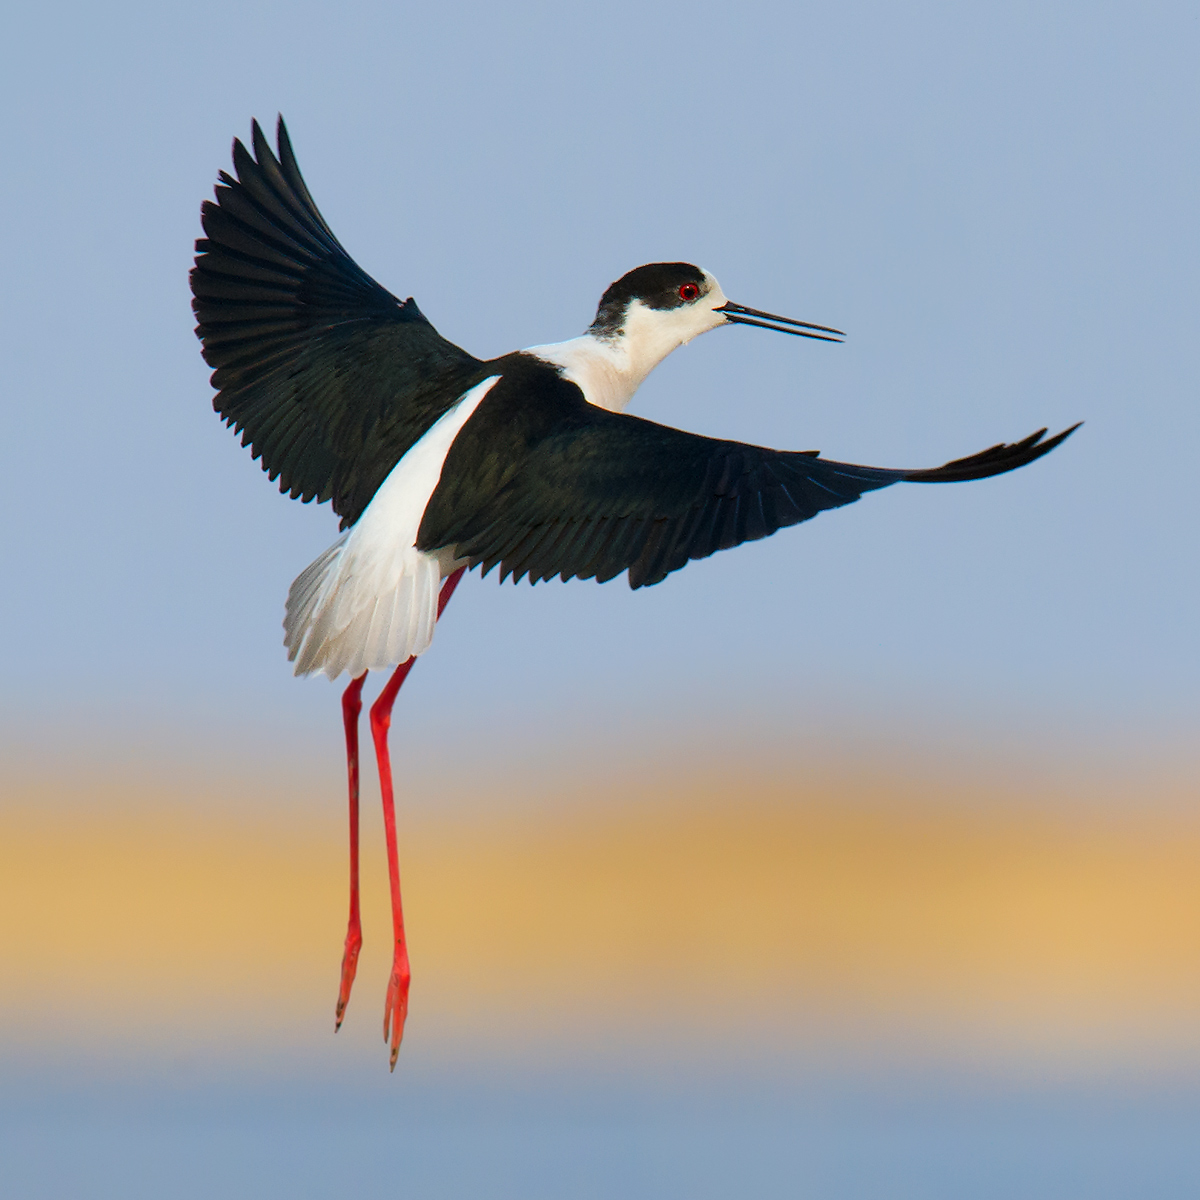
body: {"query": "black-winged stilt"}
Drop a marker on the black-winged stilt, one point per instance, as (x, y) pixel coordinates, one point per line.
(438, 462)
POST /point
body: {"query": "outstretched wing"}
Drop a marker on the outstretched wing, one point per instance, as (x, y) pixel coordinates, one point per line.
(328, 376)
(598, 493)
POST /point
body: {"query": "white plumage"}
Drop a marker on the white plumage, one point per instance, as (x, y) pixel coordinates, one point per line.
(370, 600)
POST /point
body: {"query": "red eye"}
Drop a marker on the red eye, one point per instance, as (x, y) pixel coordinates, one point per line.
(689, 291)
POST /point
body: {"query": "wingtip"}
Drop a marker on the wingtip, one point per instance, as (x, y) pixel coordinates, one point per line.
(996, 460)
(260, 142)
(1044, 447)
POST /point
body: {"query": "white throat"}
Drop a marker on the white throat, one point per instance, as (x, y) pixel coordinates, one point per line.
(609, 369)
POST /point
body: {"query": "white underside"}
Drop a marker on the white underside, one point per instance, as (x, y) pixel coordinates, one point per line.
(370, 601)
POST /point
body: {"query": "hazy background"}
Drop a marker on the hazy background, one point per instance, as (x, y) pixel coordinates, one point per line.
(855, 862)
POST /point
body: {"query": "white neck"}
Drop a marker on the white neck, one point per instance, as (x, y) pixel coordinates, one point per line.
(610, 369)
(602, 367)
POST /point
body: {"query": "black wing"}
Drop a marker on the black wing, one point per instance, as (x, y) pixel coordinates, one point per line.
(545, 484)
(328, 376)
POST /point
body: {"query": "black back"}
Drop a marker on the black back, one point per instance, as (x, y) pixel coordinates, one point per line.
(328, 376)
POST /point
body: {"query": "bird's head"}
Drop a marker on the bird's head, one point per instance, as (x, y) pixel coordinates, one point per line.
(643, 317)
(655, 308)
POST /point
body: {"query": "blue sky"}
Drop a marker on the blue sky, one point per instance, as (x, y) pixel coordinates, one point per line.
(997, 202)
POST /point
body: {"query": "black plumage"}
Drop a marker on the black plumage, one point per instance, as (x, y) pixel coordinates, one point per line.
(331, 380)
(544, 483)
(329, 377)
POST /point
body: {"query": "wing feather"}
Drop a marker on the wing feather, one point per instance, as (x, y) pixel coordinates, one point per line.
(329, 378)
(544, 484)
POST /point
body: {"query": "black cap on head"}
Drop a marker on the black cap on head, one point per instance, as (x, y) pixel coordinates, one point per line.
(656, 285)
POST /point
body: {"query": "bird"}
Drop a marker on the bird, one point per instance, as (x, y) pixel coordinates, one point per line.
(438, 462)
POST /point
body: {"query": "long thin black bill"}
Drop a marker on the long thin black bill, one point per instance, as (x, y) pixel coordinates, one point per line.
(739, 314)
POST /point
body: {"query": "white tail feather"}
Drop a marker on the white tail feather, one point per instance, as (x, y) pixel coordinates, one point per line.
(370, 600)
(351, 612)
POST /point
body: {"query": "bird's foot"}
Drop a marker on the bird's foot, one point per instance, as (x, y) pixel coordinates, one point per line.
(349, 970)
(395, 1007)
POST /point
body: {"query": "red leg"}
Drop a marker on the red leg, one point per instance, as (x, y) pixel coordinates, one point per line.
(351, 707)
(395, 1009)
